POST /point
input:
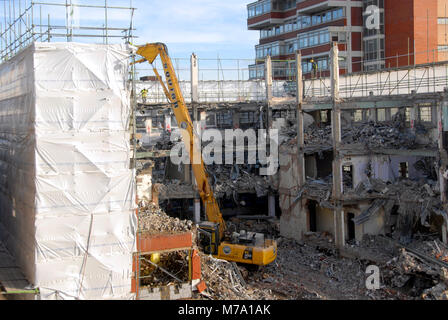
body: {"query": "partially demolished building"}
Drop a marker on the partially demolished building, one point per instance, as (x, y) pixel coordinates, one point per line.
(353, 162)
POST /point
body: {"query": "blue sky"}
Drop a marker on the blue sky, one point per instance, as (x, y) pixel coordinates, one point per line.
(209, 28)
(206, 27)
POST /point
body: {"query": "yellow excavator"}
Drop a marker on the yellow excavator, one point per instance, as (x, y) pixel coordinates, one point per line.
(242, 247)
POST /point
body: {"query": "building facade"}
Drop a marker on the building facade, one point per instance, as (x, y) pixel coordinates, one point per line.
(372, 34)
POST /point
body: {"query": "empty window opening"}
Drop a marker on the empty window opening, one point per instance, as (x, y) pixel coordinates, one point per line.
(312, 215)
(393, 112)
(350, 226)
(408, 114)
(425, 114)
(381, 115)
(347, 173)
(324, 116)
(357, 116)
(404, 170)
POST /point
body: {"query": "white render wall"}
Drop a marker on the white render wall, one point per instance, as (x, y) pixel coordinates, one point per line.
(67, 193)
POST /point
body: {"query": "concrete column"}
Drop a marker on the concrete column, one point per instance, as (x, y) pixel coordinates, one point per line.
(197, 211)
(337, 163)
(271, 205)
(300, 126)
(414, 116)
(372, 115)
(236, 119)
(268, 81)
(194, 74)
(443, 165)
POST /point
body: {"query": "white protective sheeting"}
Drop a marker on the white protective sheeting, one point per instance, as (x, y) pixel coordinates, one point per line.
(67, 192)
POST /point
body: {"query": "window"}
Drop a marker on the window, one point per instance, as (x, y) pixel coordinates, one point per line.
(425, 114)
(324, 116)
(347, 171)
(404, 170)
(314, 38)
(247, 117)
(393, 112)
(381, 115)
(357, 115)
(306, 21)
(442, 20)
(408, 114)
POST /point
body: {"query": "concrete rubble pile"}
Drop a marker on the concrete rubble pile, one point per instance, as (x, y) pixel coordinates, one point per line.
(376, 136)
(417, 202)
(176, 263)
(154, 220)
(169, 188)
(318, 189)
(223, 283)
(228, 179)
(314, 270)
(371, 135)
(416, 271)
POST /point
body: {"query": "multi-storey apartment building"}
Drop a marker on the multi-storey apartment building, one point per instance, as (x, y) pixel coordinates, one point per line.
(372, 34)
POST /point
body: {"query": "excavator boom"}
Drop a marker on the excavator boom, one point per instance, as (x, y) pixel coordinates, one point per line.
(263, 251)
(172, 90)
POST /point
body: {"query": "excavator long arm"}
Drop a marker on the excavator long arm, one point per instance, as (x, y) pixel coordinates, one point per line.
(150, 52)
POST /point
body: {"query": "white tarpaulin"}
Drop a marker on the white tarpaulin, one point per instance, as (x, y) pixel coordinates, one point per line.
(67, 192)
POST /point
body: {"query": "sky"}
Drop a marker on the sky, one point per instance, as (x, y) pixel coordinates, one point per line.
(208, 28)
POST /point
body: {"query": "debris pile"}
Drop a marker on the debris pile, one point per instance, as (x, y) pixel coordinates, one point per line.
(164, 270)
(416, 203)
(379, 135)
(174, 188)
(371, 135)
(314, 270)
(153, 220)
(420, 270)
(224, 283)
(228, 179)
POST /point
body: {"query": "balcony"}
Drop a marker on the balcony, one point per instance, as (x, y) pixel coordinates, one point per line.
(267, 13)
(316, 6)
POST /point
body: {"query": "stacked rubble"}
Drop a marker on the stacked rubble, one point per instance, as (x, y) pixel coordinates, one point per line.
(416, 271)
(223, 282)
(229, 179)
(371, 135)
(417, 202)
(153, 220)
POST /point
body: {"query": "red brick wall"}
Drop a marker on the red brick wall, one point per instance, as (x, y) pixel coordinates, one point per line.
(357, 19)
(406, 20)
(356, 41)
(425, 23)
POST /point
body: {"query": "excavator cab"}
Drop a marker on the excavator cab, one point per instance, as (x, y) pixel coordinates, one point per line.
(209, 237)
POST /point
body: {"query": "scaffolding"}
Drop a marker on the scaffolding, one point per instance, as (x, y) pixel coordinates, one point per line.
(99, 21)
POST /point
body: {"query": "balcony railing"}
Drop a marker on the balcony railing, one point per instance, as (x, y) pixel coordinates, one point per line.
(258, 8)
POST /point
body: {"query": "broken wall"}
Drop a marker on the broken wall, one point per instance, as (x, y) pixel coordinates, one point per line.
(385, 168)
(68, 194)
(293, 221)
